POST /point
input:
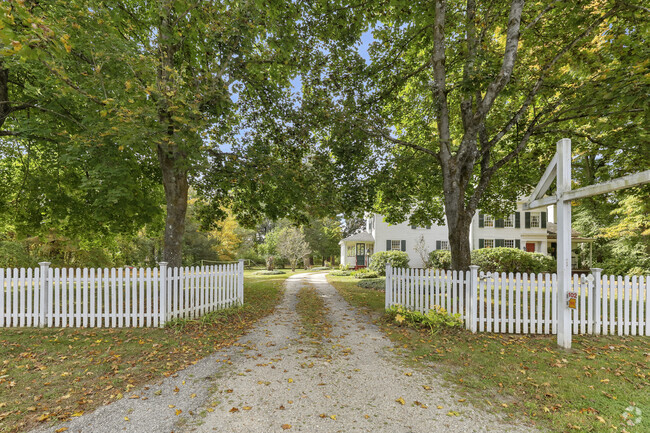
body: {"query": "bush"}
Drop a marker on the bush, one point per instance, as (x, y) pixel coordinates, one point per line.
(638, 271)
(440, 259)
(512, 260)
(276, 272)
(397, 259)
(436, 318)
(321, 268)
(373, 283)
(341, 273)
(364, 273)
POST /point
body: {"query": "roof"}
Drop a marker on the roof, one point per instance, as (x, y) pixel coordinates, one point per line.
(360, 237)
(551, 230)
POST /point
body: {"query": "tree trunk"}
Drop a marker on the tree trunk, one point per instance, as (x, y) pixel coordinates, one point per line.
(459, 220)
(176, 190)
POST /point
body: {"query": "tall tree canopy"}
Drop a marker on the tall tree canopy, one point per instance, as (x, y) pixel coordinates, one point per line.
(157, 83)
(458, 103)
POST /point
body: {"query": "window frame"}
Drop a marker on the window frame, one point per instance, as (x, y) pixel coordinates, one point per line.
(488, 221)
(353, 249)
(506, 241)
(535, 216)
(485, 243)
(509, 221)
(444, 245)
(392, 245)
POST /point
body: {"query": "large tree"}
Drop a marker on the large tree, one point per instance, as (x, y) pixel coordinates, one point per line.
(162, 79)
(461, 101)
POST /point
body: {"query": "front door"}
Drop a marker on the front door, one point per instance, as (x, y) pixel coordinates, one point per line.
(361, 254)
(530, 247)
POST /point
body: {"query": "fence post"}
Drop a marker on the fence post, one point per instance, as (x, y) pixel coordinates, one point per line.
(45, 301)
(163, 292)
(471, 304)
(388, 295)
(240, 281)
(596, 293)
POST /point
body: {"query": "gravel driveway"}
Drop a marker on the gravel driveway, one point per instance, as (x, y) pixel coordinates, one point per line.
(276, 380)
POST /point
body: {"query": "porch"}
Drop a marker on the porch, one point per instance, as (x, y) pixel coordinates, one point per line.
(357, 249)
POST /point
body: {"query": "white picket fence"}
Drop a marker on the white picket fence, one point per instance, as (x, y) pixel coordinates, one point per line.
(123, 297)
(525, 304)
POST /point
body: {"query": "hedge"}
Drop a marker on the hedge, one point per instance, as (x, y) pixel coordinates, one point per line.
(498, 260)
(397, 259)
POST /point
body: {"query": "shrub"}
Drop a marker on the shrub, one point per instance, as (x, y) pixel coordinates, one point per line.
(397, 259)
(638, 271)
(511, 260)
(341, 273)
(435, 319)
(321, 268)
(373, 283)
(364, 273)
(440, 259)
(343, 267)
(276, 272)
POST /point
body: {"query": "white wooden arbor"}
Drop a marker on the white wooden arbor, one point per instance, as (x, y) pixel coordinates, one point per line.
(560, 169)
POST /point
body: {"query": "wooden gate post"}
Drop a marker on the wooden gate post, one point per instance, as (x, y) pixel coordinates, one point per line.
(164, 293)
(388, 295)
(44, 301)
(596, 295)
(472, 311)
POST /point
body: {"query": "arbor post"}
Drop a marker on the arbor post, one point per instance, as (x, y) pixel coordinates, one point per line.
(45, 298)
(164, 293)
(563, 242)
(472, 286)
(388, 296)
(596, 294)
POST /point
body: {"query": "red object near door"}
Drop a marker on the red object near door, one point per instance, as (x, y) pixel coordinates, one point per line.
(530, 247)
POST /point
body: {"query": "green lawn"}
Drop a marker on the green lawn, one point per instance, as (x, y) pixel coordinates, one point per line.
(585, 389)
(56, 373)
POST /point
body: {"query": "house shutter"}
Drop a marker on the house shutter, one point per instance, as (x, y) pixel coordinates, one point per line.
(499, 243)
(517, 220)
(388, 245)
(438, 245)
(403, 245)
(429, 227)
(527, 215)
(499, 223)
(517, 243)
(414, 227)
(481, 243)
(481, 220)
(543, 220)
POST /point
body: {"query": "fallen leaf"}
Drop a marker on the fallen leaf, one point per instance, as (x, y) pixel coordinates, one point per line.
(176, 389)
(461, 400)
(400, 400)
(333, 417)
(126, 418)
(427, 387)
(246, 408)
(286, 426)
(233, 410)
(178, 412)
(408, 374)
(192, 395)
(453, 413)
(290, 380)
(171, 406)
(61, 430)
(79, 413)
(366, 416)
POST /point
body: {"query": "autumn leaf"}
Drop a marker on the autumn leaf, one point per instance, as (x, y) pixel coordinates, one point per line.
(61, 430)
(400, 401)
(126, 418)
(290, 380)
(233, 410)
(453, 413)
(246, 408)
(178, 412)
(333, 417)
(427, 387)
(286, 426)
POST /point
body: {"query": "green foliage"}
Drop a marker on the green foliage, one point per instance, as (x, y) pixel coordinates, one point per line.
(341, 273)
(397, 259)
(439, 259)
(15, 255)
(274, 272)
(321, 268)
(512, 260)
(374, 283)
(435, 319)
(364, 273)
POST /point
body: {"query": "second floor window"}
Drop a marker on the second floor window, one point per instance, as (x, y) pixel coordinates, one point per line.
(535, 219)
(509, 221)
(488, 221)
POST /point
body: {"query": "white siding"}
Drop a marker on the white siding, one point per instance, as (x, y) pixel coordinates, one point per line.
(382, 231)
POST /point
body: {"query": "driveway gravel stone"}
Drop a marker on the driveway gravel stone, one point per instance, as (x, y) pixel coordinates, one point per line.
(276, 379)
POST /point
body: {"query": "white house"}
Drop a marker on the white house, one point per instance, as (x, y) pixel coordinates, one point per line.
(524, 230)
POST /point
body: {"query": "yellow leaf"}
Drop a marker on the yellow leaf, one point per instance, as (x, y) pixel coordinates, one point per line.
(333, 417)
(286, 426)
(453, 413)
(178, 412)
(193, 396)
(61, 430)
(210, 409)
(246, 408)
(171, 406)
(439, 407)
(79, 413)
(126, 418)
(427, 387)
(408, 374)
(461, 400)
(400, 401)
(290, 380)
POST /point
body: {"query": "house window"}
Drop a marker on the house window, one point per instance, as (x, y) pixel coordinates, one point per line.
(535, 219)
(509, 221)
(350, 250)
(489, 243)
(444, 245)
(488, 221)
(509, 243)
(396, 245)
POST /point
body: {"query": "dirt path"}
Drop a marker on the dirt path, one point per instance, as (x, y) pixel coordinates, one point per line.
(278, 380)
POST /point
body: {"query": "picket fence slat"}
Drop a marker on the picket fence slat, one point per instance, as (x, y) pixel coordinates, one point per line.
(525, 303)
